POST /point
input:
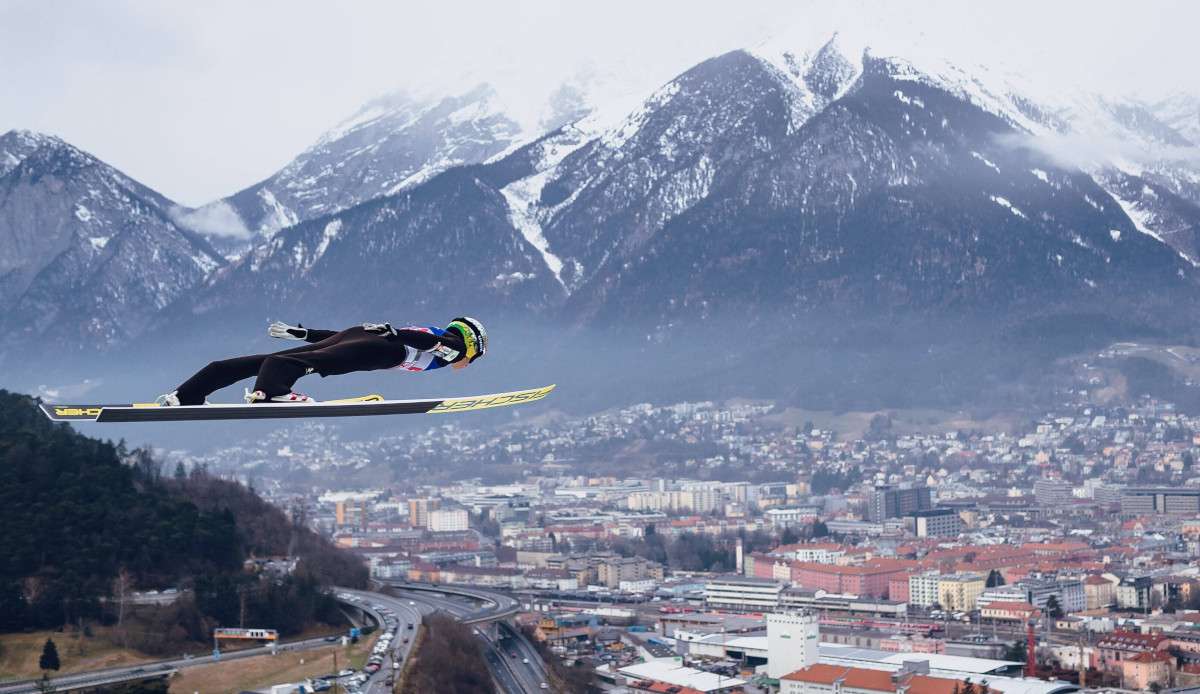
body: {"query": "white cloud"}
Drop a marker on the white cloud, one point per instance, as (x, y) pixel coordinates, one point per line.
(1073, 150)
(67, 391)
(216, 219)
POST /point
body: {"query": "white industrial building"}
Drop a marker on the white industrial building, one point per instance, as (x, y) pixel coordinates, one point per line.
(792, 642)
(448, 520)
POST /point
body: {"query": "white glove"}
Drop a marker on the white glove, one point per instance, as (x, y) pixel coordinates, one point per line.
(287, 332)
(380, 329)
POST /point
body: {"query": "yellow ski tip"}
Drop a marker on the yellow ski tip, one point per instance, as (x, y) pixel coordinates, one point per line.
(483, 402)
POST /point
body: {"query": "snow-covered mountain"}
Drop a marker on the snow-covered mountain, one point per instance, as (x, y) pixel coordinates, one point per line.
(760, 172)
(392, 143)
(781, 179)
(87, 254)
(777, 189)
(436, 248)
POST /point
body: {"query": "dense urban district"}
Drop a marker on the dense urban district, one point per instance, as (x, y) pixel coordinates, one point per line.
(741, 547)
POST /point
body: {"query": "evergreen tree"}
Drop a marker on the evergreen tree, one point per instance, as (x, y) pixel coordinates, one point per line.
(1053, 608)
(49, 659)
(180, 472)
(819, 529)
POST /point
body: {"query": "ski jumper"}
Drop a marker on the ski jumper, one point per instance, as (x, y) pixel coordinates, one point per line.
(329, 353)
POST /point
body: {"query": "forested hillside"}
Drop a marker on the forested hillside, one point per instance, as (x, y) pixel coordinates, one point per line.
(83, 519)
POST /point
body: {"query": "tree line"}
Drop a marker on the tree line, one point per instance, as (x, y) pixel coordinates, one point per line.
(83, 522)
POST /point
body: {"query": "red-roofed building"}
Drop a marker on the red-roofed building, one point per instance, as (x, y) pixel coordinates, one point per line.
(1119, 646)
(1145, 669)
(871, 579)
(822, 679)
(660, 688)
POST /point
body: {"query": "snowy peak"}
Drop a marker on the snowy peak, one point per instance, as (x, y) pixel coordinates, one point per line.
(830, 71)
(16, 145)
(392, 143)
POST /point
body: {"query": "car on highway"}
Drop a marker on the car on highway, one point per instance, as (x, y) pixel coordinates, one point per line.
(410, 602)
(543, 685)
(525, 660)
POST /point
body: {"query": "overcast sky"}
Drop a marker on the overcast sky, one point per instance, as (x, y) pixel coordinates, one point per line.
(201, 99)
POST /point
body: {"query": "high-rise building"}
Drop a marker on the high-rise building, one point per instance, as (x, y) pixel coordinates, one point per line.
(448, 520)
(351, 512)
(937, 522)
(923, 589)
(1145, 501)
(896, 502)
(1053, 493)
(792, 640)
(418, 511)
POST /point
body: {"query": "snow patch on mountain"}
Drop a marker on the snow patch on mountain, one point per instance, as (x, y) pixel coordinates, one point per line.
(328, 234)
(523, 195)
(278, 215)
(1003, 202)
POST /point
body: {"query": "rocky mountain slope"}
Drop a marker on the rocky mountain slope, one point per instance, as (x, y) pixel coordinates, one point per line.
(87, 255)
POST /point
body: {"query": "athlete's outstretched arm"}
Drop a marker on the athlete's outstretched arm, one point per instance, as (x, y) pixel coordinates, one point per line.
(298, 332)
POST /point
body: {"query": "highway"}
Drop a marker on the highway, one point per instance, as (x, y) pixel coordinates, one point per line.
(403, 642)
(93, 678)
(515, 664)
(471, 606)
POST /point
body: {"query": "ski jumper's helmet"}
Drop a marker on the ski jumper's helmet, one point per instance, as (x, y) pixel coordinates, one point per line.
(473, 335)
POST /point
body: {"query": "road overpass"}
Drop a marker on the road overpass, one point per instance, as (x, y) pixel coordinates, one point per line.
(496, 606)
(516, 665)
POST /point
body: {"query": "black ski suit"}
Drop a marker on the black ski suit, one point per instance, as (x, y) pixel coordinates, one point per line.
(328, 353)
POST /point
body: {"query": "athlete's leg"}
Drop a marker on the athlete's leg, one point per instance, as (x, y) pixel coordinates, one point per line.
(279, 372)
(225, 372)
(216, 375)
(358, 350)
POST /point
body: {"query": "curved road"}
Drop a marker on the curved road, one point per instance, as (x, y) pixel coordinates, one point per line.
(516, 664)
(471, 606)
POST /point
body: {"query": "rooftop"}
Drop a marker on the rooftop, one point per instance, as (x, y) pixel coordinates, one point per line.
(670, 671)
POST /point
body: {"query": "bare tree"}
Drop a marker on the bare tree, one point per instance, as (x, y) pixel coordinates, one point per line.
(121, 587)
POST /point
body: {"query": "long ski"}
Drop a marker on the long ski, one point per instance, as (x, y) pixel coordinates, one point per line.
(348, 407)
